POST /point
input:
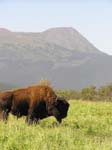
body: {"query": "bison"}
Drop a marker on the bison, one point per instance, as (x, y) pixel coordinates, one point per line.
(40, 111)
(32, 100)
(35, 102)
(59, 110)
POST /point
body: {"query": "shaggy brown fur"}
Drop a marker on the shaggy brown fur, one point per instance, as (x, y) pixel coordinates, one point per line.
(30, 100)
(36, 102)
(5, 104)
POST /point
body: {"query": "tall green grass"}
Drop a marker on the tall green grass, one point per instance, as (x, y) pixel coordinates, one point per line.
(87, 127)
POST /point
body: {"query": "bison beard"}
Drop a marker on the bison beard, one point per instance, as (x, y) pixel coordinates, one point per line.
(32, 101)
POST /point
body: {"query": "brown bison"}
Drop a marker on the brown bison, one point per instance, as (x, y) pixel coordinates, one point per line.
(35, 102)
(5, 104)
(32, 100)
(59, 110)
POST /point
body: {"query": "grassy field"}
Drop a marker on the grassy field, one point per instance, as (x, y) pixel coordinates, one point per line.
(87, 127)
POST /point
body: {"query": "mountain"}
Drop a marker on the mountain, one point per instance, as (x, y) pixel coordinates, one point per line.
(4, 30)
(69, 38)
(61, 55)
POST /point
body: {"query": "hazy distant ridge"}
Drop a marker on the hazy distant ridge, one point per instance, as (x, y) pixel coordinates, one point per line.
(61, 55)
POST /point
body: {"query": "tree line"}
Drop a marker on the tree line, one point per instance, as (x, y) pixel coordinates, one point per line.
(92, 93)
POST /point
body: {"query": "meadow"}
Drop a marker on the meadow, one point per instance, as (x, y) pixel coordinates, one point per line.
(88, 126)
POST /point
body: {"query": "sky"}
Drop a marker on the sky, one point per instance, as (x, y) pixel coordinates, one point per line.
(92, 18)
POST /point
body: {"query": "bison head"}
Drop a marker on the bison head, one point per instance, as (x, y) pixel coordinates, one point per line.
(60, 109)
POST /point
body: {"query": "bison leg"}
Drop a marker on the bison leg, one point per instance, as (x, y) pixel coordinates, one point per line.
(36, 120)
(30, 116)
(5, 115)
(26, 119)
(29, 119)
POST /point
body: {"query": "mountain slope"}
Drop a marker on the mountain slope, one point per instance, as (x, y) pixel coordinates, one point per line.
(69, 38)
(61, 55)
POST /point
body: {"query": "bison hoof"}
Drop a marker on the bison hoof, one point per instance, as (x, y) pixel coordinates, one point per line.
(29, 121)
(36, 121)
